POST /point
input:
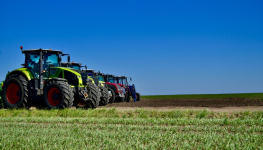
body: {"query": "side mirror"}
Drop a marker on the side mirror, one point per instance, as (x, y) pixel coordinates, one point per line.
(68, 58)
(130, 79)
(85, 67)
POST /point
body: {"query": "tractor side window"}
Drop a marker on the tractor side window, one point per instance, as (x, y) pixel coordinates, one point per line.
(32, 63)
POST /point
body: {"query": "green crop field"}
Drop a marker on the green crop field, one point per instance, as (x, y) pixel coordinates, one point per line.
(131, 129)
(252, 96)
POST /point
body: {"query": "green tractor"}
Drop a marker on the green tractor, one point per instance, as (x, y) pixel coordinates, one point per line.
(103, 91)
(42, 82)
(106, 93)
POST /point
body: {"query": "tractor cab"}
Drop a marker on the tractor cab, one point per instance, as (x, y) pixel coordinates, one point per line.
(110, 78)
(72, 65)
(122, 81)
(39, 62)
(100, 76)
(90, 72)
(50, 58)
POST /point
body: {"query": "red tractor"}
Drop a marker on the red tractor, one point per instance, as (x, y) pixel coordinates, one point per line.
(129, 89)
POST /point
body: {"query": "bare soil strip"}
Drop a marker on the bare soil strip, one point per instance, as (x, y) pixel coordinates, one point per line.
(218, 105)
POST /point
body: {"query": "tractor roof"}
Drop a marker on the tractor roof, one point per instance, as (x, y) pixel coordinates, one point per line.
(40, 49)
(109, 75)
(99, 73)
(121, 76)
(71, 63)
(90, 70)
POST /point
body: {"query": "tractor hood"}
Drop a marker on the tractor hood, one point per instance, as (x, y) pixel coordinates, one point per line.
(73, 76)
(84, 76)
(115, 84)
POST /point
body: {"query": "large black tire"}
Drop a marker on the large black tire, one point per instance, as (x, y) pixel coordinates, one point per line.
(104, 99)
(58, 95)
(94, 98)
(15, 92)
(98, 93)
(112, 98)
(138, 96)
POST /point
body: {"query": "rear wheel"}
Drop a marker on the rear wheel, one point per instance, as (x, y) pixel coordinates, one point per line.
(15, 92)
(112, 98)
(58, 94)
(104, 100)
(138, 96)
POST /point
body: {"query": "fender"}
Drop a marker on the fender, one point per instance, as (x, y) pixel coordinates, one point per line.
(22, 71)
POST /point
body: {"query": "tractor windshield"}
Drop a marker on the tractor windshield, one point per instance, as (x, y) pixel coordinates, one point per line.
(111, 80)
(32, 63)
(122, 81)
(90, 73)
(75, 67)
(100, 78)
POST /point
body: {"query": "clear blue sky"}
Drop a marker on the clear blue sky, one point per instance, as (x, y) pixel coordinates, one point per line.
(167, 47)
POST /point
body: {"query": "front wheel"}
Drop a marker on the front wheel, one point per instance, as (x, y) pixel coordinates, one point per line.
(58, 94)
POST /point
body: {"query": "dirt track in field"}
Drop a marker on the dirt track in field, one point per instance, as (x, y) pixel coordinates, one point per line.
(234, 104)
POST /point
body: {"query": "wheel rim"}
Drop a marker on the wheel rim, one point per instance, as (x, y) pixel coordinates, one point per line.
(54, 96)
(81, 104)
(13, 93)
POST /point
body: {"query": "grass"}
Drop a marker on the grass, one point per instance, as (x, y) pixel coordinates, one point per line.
(251, 96)
(131, 129)
(137, 113)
